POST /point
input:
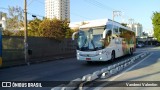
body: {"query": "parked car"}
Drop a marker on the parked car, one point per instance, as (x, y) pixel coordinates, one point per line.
(157, 44)
(139, 45)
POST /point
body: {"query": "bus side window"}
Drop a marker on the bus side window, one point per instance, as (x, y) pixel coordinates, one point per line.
(108, 37)
(121, 32)
(115, 30)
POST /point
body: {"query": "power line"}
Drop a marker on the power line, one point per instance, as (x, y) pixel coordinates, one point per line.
(103, 6)
(30, 2)
(40, 2)
(93, 3)
(36, 1)
(80, 16)
(33, 1)
(23, 11)
(99, 4)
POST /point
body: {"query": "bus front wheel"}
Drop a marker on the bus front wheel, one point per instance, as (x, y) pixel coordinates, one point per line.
(112, 56)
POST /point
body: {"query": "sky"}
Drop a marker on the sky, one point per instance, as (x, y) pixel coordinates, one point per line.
(81, 10)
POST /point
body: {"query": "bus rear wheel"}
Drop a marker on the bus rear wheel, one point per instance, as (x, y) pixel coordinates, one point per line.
(131, 51)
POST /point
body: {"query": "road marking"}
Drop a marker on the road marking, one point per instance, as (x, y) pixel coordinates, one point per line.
(117, 76)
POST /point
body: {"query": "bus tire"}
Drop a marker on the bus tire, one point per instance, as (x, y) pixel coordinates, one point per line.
(112, 56)
(131, 51)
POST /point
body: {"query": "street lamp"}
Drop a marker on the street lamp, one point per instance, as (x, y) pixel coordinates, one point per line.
(34, 16)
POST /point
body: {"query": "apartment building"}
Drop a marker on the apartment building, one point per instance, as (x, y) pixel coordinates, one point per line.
(59, 9)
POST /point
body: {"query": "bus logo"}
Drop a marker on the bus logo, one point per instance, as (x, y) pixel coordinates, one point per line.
(6, 84)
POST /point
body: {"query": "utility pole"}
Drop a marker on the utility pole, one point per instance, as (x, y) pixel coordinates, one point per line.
(131, 21)
(25, 33)
(116, 13)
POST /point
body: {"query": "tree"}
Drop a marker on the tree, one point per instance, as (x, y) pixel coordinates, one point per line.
(7, 33)
(53, 28)
(33, 28)
(124, 24)
(14, 18)
(19, 33)
(156, 24)
(4, 15)
(69, 33)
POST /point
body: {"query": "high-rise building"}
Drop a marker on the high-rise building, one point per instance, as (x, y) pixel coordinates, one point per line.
(138, 29)
(59, 9)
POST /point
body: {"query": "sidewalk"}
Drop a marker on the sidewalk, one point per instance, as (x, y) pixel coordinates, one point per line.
(13, 63)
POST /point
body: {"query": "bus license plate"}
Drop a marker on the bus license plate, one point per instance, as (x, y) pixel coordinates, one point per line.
(88, 58)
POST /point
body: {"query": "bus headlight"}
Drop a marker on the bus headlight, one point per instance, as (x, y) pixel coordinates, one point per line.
(78, 53)
(100, 53)
(100, 58)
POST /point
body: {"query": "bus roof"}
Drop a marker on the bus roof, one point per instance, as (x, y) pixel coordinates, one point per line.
(94, 23)
(102, 22)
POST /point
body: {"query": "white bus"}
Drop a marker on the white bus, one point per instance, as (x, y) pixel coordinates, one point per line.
(103, 40)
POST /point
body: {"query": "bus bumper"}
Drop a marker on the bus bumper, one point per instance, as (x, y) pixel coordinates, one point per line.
(95, 58)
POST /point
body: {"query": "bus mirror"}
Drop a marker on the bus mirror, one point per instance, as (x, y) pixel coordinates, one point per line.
(73, 35)
(104, 33)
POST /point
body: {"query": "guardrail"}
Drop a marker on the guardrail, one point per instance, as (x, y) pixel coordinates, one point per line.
(79, 83)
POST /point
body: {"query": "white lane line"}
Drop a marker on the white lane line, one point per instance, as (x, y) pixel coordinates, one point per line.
(117, 76)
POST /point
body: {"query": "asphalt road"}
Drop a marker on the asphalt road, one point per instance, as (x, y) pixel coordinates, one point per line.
(60, 70)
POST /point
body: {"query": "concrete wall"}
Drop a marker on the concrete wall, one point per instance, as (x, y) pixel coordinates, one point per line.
(42, 49)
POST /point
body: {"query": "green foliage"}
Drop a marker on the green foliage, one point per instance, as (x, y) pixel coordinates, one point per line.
(124, 24)
(69, 33)
(156, 24)
(10, 33)
(7, 33)
(19, 33)
(54, 28)
(4, 15)
(33, 28)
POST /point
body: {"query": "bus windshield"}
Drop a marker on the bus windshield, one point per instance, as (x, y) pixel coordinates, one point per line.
(90, 39)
